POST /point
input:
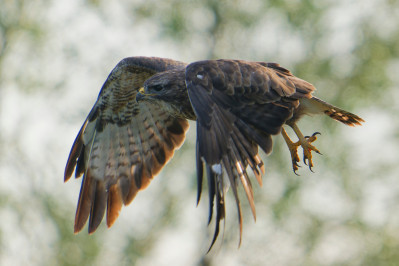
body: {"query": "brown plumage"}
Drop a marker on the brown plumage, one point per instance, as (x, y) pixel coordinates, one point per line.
(122, 143)
(140, 117)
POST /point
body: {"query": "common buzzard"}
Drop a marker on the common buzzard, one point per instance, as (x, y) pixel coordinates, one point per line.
(140, 118)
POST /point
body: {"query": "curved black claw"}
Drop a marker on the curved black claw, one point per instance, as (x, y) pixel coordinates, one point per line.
(314, 134)
(295, 167)
(310, 164)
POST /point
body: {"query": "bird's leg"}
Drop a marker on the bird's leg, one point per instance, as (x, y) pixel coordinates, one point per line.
(306, 145)
(293, 147)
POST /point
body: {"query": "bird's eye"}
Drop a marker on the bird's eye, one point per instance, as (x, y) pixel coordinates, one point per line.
(157, 88)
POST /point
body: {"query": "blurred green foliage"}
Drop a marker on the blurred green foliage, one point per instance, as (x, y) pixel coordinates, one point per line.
(353, 72)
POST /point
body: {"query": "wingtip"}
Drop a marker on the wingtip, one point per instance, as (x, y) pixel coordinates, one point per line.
(260, 181)
(240, 225)
(258, 176)
(92, 230)
(198, 200)
(69, 168)
(85, 201)
(74, 153)
(240, 239)
(66, 178)
(76, 230)
(77, 227)
(114, 204)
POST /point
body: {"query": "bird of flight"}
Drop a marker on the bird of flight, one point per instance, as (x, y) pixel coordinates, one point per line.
(140, 119)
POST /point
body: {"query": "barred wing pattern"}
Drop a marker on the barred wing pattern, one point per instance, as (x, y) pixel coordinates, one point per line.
(122, 144)
(238, 105)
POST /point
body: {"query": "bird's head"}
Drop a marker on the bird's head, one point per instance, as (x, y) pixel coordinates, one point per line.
(168, 89)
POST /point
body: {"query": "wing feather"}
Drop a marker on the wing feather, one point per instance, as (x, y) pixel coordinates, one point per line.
(98, 207)
(238, 105)
(114, 204)
(75, 154)
(122, 144)
(85, 201)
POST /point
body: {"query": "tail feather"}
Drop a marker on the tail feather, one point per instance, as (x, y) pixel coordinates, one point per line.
(339, 114)
(344, 117)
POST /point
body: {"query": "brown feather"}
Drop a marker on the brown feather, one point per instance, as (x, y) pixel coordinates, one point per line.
(75, 152)
(344, 117)
(123, 143)
(114, 204)
(85, 201)
(98, 206)
(133, 187)
(316, 105)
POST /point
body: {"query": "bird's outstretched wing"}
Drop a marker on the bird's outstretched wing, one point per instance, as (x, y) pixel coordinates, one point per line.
(122, 144)
(238, 105)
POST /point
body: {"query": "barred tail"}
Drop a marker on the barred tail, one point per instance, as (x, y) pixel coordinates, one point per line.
(339, 114)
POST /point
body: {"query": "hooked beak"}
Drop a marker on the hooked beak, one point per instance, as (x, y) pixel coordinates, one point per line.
(141, 94)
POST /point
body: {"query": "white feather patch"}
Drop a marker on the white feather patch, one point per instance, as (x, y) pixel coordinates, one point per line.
(217, 168)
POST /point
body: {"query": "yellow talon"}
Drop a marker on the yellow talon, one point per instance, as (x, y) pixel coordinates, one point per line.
(308, 148)
(293, 148)
(305, 143)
